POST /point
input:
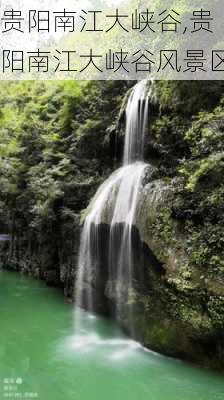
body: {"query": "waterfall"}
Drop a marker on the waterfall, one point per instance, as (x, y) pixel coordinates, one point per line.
(106, 249)
(136, 123)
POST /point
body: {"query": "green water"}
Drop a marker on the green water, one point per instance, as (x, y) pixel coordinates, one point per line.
(40, 354)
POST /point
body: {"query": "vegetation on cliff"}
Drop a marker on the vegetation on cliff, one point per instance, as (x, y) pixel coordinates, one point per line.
(55, 146)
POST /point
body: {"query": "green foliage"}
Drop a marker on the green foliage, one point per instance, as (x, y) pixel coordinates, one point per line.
(188, 97)
(198, 171)
(188, 134)
(55, 146)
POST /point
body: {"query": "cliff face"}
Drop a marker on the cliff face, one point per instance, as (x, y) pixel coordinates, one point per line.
(49, 254)
(178, 297)
(178, 304)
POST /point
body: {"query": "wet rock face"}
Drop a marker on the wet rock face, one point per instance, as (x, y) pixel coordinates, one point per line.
(112, 292)
(96, 277)
(3, 253)
(50, 254)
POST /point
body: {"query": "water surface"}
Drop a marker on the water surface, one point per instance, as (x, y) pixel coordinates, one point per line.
(41, 355)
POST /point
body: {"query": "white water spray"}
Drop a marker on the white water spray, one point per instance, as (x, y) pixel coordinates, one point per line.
(106, 249)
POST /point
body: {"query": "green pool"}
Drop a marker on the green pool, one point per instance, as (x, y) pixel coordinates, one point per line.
(46, 352)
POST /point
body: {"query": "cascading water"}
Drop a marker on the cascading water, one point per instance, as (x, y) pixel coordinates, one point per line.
(136, 123)
(106, 250)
